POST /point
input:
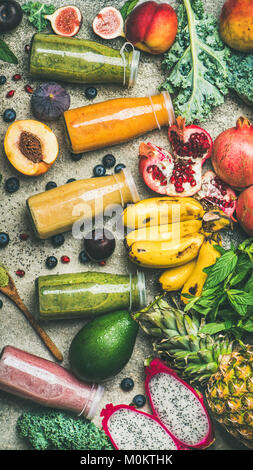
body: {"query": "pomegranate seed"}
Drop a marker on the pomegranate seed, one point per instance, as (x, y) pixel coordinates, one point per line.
(10, 94)
(20, 273)
(29, 89)
(27, 48)
(193, 183)
(102, 263)
(16, 77)
(65, 259)
(23, 236)
(173, 179)
(179, 189)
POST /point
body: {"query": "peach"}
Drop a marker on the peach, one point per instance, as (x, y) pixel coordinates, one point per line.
(31, 147)
(152, 27)
(236, 24)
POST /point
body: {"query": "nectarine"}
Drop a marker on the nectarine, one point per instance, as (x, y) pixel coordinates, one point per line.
(31, 147)
(152, 27)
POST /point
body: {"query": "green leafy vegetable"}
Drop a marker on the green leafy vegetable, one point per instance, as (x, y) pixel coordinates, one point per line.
(48, 429)
(240, 75)
(6, 55)
(196, 63)
(37, 12)
(127, 8)
(227, 297)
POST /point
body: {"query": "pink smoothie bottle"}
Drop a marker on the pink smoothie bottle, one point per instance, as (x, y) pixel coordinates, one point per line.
(45, 382)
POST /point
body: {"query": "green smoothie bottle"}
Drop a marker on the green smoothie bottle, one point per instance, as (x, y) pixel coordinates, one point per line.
(88, 294)
(81, 61)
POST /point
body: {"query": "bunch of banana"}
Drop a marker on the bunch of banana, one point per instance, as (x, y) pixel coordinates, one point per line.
(168, 232)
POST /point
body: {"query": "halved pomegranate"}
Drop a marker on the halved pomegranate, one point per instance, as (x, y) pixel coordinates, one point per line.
(218, 193)
(178, 173)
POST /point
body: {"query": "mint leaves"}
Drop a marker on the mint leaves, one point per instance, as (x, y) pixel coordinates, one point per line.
(227, 296)
(6, 54)
(37, 12)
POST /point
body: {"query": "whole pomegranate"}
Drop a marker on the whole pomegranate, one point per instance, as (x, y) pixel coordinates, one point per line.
(232, 157)
(177, 174)
(244, 210)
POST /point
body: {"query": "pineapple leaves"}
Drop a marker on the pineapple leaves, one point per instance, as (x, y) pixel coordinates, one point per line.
(226, 301)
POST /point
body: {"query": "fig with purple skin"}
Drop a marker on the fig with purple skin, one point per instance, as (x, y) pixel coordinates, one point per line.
(49, 101)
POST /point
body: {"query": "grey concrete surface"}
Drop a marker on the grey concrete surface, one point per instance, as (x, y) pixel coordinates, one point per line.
(31, 255)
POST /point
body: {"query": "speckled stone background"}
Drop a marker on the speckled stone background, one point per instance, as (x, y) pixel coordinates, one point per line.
(30, 255)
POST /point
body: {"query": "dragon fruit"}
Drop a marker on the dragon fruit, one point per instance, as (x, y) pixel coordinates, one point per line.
(179, 420)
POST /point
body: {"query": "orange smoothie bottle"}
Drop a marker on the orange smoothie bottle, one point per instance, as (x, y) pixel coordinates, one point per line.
(114, 121)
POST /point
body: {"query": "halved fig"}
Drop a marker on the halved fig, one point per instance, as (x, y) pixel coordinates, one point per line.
(108, 24)
(178, 406)
(131, 429)
(66, 21)
(31, 147)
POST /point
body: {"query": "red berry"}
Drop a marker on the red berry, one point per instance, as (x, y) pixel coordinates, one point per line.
(20, 273)
(16, 77)
(65, 259)
(23, 236)
(29, 89)
(10, 94)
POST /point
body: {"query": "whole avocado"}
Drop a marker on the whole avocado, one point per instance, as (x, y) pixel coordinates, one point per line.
(103, 346)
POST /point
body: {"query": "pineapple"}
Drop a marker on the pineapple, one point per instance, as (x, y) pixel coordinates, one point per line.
(215, 362)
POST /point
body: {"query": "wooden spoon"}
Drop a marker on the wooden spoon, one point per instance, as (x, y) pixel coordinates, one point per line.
(11, 291)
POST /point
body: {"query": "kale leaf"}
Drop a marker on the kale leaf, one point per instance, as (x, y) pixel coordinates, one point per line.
(240, 75)
(197, 64)
(37, 12)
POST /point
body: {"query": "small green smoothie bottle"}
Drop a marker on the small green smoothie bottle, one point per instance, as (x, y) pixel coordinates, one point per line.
(81, 61)
(88, 294)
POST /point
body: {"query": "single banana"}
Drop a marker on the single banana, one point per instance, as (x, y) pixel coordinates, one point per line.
(207, 257)
(161, 211)
(166, 254)
(164, 232)
(173, 279)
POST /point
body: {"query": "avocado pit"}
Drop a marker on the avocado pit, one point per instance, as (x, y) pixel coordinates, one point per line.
(30, 146)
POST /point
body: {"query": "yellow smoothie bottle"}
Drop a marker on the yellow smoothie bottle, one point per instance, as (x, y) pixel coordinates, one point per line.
(55, 211)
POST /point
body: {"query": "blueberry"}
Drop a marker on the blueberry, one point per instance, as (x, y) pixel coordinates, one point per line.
(76, 156)
(51, 185)
(57, 240)
(4, 239)
(2, 79)
(12, 185)
(71, 180)
(1, 303)
(109, 161)
(91, 93)
(139, 401)
(127, 384)
(119, 167)
(83, 258)
(51, 262)
(9, 115)
(99, 170)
